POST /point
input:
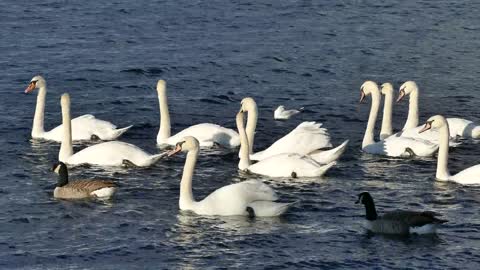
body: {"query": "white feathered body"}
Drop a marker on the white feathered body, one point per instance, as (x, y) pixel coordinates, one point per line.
(395, 146)
(287, 165)
(233, 200)
(83, 127)
(207, 134)
(112, 153)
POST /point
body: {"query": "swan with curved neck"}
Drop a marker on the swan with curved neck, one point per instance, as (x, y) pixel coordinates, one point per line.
(112, 153)
(208, 134)
(458, 126)
(308, 138)
(84, 127)
(468, 176)
(280, 165)
(248, 198)
(394, 146)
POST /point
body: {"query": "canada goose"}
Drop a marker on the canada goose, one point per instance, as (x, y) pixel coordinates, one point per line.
(80, 189)
(398, 222)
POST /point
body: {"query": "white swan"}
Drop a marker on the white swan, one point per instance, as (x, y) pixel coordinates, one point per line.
(466, 177)
(306, 139)
(248, 198)
(458, 126)
(208, 134)
(112, 153)
(280, 165)
(85, 127)
(387, 92)
(393, 146)
(282, 114)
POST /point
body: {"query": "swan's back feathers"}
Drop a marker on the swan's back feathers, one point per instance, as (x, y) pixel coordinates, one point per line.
(112, 153)
(305, 138)
(84, 126)
(233, 199)
(289, 165)
(208, 134)
(469, 176)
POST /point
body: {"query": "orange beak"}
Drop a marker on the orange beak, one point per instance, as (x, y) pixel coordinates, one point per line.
(401, 95)
(427, 126)
(177, 149)
(30, 87)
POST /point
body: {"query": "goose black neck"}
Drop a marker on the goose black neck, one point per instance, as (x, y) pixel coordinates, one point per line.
(62, 176)
(371, 212)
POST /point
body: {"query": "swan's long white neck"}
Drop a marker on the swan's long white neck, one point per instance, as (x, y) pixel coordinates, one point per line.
(387, 129)
(164, 131)
(38, 128)
(187, 200)
(442, 159)
(412, 119)
(368, 138)
(244, 155)
(66, 148)
(251, 126)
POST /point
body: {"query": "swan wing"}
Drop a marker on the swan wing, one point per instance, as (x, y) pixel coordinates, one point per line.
(208, 134)
(305, 138)
(233, 199)
(111, 153)
(289, 165)
(84, 126)
(469, 176)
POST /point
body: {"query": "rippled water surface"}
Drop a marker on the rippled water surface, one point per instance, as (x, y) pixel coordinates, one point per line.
(315, 54)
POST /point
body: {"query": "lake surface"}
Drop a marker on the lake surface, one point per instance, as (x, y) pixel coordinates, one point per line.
(314, 54)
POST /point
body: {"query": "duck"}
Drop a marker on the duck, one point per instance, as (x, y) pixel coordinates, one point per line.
(281, 113)
(251, 198)
(469, 176)
(84, 128)
(308, 138)
(458, 126)
(392, 146)
(111, 153)
(280, 165)
(208, 134)
(399, 221)
(80, 189)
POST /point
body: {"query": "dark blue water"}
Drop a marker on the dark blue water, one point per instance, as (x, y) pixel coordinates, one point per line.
(316, 54)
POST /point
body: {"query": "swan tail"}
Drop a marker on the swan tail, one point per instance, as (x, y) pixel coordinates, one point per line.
(118, 132)
(325, 157)
(157, 157)
(322, 170)
(268, 208)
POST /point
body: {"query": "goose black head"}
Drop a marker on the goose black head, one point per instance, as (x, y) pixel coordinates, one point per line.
(61, 169)
(366, 199)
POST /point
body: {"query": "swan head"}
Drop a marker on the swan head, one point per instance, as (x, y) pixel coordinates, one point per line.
(248, 104)
(188, 143)
(36, 82)
(161, 86)
(280, 108)
(368, 88)
(61, 169)
(434, 122)
(65, 100)
(406, 88)
(387, 88)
